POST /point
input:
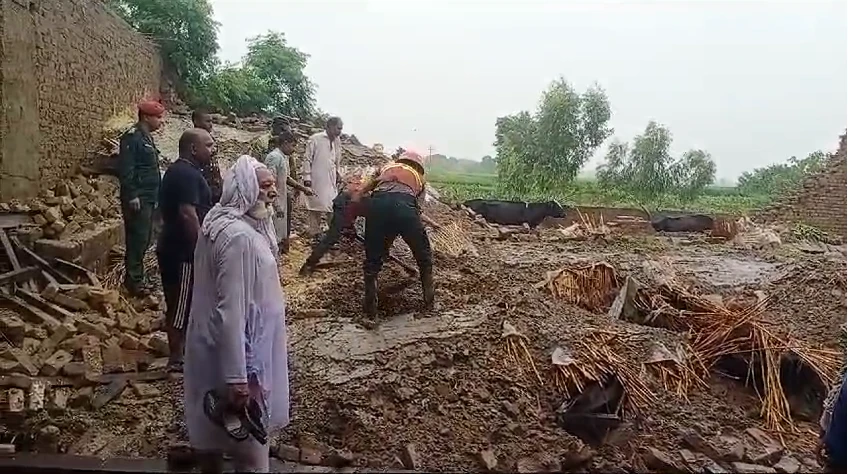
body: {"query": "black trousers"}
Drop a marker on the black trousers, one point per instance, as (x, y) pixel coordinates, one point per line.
(338, 223)
(177, 283)
(388, 216)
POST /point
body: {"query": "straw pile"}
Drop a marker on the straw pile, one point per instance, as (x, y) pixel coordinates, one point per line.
(717, 332)
(114, 275)
(516, 350)
(672, 370)
(595, 360)
(591, 286)
(450, 240)
(588, 227)
(724, 228)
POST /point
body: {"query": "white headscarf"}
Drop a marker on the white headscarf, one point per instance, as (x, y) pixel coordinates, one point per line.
(240, 194)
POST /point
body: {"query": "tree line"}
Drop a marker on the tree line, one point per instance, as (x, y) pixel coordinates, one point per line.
(268, 79)
(541, 152)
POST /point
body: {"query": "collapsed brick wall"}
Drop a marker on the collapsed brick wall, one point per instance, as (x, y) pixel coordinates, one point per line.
(820, 201)
(84, 65)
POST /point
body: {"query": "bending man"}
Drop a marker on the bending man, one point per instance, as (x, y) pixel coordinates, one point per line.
(394, 210)
(236, 339)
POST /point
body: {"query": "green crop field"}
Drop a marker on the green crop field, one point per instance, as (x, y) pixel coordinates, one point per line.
(458, 187)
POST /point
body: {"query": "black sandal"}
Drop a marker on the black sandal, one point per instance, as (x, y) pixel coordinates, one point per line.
(253, 419)
(217, 413)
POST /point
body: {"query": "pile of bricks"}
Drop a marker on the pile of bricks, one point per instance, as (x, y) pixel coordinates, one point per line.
(73, 206)
(72, 335)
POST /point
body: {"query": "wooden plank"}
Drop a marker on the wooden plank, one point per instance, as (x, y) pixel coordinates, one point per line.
(19, 275)
(14, 219)
(41, 303)
(135, 377)
(35, 315)
(49, 278)
(13, 258)
(82, 271)
(30, 463)
(60, 277)
(113, 391)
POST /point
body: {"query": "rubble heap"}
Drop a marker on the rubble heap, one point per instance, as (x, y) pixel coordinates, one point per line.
(65, 334)
(74, 205)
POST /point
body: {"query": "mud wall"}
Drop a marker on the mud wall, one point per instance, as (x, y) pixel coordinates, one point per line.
(820, 201)
(66, 66)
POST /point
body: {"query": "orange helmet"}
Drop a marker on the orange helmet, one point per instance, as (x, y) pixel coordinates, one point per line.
(413, 158)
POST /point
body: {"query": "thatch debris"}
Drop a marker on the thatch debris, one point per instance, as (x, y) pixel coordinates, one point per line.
(595, 359)
(591, 286)
(516, 349)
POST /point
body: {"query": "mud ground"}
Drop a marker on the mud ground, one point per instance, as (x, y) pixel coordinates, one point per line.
(441, 381)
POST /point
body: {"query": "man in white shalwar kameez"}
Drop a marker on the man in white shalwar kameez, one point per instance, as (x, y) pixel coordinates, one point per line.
(320, 171)
(236, 338)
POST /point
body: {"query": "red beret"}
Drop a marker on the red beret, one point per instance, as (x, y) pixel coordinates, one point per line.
(151, 107)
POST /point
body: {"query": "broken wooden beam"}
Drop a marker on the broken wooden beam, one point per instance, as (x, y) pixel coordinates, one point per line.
(114, 390)
(35, 314)
(19, 275)
(44, 305)
(60, 277)
(82, 271)
(13, 259)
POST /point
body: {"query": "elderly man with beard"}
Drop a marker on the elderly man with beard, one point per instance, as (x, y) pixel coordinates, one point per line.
(236, 374)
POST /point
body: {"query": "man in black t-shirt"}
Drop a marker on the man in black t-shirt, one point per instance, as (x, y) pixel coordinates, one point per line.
(184, 200)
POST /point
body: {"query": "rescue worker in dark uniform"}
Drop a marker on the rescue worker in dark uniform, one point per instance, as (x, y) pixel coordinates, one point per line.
(138, 173)
(345, 212)
(394, 209)
(211, 171)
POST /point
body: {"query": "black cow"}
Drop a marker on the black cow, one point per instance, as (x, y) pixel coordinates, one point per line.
(515, 213)
(682, 223)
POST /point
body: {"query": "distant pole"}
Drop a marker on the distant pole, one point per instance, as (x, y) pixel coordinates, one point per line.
(430, 152)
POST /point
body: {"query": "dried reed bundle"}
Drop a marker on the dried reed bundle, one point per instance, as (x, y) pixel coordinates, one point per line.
(595, 361)
(516, 349)
(724, 228)
(716, 332)
(450, 239)
(592, 286)
(114, 276)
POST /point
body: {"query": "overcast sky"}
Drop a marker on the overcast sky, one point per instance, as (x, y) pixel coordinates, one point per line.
(752, 82)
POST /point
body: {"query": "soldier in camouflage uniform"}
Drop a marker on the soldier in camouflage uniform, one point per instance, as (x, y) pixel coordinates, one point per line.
(138, 173)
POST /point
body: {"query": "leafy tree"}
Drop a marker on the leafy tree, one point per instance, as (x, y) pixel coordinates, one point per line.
(544, 151)
(280, 68)
(185, 31)
(779, 178)
(647, 170)
(235, 89)
(693, 173)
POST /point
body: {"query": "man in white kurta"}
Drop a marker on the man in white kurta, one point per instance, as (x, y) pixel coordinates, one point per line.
(236, 338)
(319, 171)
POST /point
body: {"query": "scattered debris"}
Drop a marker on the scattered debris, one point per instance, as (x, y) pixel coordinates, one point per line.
(590, 286)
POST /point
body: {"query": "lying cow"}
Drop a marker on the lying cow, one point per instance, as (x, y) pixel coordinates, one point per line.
(515, 213)
(682, 223)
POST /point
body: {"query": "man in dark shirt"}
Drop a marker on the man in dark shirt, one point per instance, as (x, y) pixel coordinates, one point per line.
(138, 173)
(185, 199)
(211, 172)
